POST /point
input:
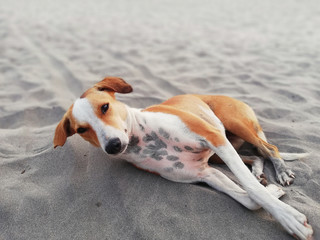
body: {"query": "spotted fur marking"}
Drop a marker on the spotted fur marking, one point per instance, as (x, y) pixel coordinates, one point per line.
(169, 169)
(178, 165)
(177, 149)
(172, 158)
(155, 154)
(164, 133)
(188, 148)
(133, 145)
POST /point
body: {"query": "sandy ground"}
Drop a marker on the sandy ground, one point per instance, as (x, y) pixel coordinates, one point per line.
(266, 53)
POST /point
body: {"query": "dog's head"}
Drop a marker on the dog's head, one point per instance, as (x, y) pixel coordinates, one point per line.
(98, 117)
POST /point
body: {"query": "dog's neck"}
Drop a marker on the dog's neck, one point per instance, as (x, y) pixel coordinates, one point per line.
(135, 120)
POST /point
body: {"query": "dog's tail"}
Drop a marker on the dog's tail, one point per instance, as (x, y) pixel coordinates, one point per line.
(293, 156)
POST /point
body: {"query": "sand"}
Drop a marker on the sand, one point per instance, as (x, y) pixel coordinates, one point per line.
(266, 53)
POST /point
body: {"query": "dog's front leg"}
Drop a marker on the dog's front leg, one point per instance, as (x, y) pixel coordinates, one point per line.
(292, 220)
(221, 182)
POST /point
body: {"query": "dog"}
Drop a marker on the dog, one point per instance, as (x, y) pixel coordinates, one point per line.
(176, 139)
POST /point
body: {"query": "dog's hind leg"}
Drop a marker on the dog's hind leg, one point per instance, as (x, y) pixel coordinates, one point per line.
(256, 162)
(284, 175)
(239, 119)
(257, 168)
(236, 143)
(222, 183)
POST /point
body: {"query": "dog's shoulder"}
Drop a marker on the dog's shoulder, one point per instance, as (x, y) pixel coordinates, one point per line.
(187, 103)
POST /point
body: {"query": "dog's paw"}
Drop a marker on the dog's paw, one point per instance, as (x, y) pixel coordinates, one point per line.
(257, 169)
(285, 178)
(294, 222)
(262, 179)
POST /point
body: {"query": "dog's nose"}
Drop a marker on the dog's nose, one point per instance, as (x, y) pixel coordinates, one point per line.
(113, 146)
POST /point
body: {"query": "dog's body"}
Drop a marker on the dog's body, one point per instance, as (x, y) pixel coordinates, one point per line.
(175, 139)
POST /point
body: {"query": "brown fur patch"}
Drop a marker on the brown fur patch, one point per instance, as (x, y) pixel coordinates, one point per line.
(113, 84)
(238, 118)
(90, 136)
(64, 129)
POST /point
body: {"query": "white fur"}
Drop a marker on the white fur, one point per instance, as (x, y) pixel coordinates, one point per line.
(156, 120)
(221, 182)
(293, 156)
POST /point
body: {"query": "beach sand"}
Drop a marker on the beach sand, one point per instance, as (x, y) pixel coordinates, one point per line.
(265, 53)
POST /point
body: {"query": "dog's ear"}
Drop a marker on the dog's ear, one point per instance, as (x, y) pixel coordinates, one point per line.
(113, 84)
(63, 130)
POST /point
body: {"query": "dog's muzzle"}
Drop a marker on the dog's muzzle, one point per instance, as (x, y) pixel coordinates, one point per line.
(113, 146)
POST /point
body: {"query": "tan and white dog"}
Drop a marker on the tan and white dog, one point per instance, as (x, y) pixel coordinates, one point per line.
(176, 138)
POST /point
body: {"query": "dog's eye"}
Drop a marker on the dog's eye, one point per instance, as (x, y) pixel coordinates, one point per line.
(104, 108)
(81, 130)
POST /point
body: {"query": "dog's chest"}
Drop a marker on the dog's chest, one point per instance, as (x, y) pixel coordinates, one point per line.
(167, 149)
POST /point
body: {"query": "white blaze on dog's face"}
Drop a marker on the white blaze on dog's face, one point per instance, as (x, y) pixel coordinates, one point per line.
(97, 117)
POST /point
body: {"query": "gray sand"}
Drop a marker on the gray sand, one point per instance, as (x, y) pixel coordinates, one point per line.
(264, 53)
